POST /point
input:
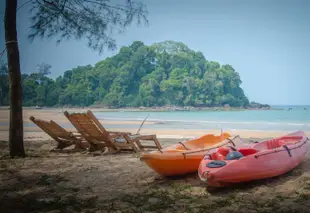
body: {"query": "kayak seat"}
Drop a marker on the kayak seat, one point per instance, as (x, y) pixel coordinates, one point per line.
(273, 144)
(217, 156)
(223, 151)
(247, 151)
(220, 154)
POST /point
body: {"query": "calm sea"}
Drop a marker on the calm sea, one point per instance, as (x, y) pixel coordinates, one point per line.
(291, 118)
(296, 118)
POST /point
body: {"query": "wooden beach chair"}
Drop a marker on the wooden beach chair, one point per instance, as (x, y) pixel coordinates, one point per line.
(59, 134)
(94, 132)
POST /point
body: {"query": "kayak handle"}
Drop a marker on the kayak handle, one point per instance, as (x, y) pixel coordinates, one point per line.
(184, 145)
(233, 148)
(288, 150)
(231, 141)
(211, 148)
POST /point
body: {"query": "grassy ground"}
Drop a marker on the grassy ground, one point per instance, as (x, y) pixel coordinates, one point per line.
(76, 182)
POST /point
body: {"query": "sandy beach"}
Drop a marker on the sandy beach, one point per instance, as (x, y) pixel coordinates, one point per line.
(56, 182)
(88, 182)
(56, 114)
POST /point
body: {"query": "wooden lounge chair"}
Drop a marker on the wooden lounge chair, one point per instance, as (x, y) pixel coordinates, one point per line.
(59, 134)
(94, 132)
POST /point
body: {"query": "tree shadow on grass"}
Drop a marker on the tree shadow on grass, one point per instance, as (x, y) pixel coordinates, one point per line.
(188, 194)
(291, 175)
(40, 192)
(194, 181)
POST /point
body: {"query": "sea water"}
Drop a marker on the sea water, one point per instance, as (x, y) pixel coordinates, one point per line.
(290, 118)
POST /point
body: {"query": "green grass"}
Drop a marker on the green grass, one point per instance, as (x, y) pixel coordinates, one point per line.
(43, 193)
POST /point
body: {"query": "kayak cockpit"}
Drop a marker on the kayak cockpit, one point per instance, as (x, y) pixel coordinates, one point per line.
(225, 153)
(277, 143)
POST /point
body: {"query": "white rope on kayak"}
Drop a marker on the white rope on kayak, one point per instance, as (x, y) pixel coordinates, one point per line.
(211, 148)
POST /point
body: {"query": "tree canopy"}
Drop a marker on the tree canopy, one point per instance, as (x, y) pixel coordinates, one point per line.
(166, 73)
(93, 20)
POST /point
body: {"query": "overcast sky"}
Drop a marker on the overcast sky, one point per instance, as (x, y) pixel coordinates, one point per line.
(266, 41)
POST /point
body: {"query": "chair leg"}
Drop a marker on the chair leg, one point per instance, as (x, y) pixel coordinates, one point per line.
(80, 145)
(157, 143)
(150, 138)
(139, 145)
(135, 148)
(92, 148)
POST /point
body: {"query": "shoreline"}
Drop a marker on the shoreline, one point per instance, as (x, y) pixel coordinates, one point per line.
(166, 131)
(36, 132)
(147, 109)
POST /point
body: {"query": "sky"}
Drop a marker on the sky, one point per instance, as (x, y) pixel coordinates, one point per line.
(266, 41)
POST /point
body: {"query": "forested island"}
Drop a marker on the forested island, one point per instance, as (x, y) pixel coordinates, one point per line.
(166, 73)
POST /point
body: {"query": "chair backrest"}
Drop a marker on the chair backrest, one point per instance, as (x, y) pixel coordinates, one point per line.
(88, 126)
(52, 129)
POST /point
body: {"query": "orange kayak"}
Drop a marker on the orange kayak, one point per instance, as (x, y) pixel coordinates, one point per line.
(265, 159)
(183, 157)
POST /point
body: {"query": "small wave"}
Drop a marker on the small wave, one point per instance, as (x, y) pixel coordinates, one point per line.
(236, 122)
(230, 122)
(171, 121)
(251, 130)
(120, 118)
(298, 124)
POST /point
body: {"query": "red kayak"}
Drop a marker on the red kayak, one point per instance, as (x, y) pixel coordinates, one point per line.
(265, 159)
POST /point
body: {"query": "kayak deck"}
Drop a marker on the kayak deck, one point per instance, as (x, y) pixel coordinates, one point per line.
(183, 157)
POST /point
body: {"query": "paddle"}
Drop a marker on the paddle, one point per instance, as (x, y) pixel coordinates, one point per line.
(142, 124)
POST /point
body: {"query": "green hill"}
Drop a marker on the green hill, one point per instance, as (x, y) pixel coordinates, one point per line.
(166, 73)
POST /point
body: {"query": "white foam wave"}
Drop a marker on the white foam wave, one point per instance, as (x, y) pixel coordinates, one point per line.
(210, 121)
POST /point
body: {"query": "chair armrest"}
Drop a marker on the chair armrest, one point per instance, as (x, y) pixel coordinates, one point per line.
(119, 133)
(76, 133)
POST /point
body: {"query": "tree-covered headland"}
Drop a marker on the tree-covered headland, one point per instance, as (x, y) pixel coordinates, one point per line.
(166, 73)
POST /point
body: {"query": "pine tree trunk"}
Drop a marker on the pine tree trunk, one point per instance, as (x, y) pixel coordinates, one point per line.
(16, 137)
